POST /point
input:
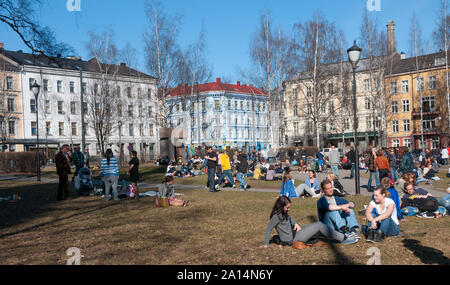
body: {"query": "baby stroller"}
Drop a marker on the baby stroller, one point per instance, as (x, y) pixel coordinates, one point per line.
(86, 185)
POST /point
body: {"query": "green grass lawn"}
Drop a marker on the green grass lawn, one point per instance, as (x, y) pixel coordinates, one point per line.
(216, 229)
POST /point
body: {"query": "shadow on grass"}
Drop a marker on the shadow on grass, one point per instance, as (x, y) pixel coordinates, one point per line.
(427, 255)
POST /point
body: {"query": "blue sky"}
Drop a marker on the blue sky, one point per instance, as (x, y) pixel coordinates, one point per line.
(229, 24)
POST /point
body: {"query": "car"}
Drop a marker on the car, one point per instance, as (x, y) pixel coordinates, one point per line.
(325, 151)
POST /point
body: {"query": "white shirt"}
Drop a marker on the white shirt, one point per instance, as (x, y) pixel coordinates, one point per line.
(444, 153)
(387, 203)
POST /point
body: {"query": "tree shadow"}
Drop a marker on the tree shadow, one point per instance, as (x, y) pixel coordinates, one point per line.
(427, 255)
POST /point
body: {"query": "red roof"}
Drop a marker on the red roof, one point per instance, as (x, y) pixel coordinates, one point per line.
(216, 86)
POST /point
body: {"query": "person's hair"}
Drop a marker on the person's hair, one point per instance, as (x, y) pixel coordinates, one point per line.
(271, 167)
(407, 177)
(278, 208)
(381, 152)
(386, 182)
(332, 176)
(286, 177)
(314, 173)
(324, 182)
(108, 154)
(134, 153)
(384, 191)
(168, 179)
(407, 183)
(65, 145)
(405, 149)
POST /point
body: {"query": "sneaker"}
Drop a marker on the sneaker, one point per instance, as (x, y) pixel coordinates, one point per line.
(378, 236)
(217, 186)
(425, 215)
(353, 235)
(349, 240)
(234, 186)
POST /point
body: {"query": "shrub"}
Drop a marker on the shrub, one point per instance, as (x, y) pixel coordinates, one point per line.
(20, 161)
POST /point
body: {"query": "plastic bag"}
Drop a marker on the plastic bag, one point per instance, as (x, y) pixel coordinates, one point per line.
(77, 182)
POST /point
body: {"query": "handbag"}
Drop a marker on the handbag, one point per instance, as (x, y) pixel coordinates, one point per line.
(162, 202)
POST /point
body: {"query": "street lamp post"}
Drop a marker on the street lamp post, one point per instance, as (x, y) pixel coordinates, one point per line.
(354, 54)
(36, 88)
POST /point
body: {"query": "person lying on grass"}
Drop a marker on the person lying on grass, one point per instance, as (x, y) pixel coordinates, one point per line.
(166, 189)
(385, 221)
(290, 231)
(421, 199)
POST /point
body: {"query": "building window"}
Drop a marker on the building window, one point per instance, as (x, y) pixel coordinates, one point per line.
(393, 88)
(45, 85)
(72, 87)
(229, 104)
(296, 130)
(242, 105)
(73, 108)
(330, 88)
(59, 86)
(429, 124)
(95, 89)
(331, 107)
(83, 88)
(33, 128)
(129, 92)
(368, 123)
(139, 91)
(151, 129)
(309, 91)
(420, 84)
(406, 126)
(86, 129)
(47, 106)
(85, 108)
(30, 83)
(9, 83)
(130, 111)
(130, 130)
(217, 105)
(295, 110)
(407, 142)
(12, 127)
(367, 103)
(405, 106)
(48, 128)
(149, 94)
(428, 104)
(141, 129)
(140, 111)
(395, 143)
(60, 107)
(405, 86)
(204, 105)
(432, 82)
(33, 105)
(74, 129)
(61, 128)
(150, 111)
(395, 126)
(366, 84)
(11, 105)
(394, 107)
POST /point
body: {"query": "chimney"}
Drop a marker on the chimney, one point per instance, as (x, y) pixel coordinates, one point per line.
(218, 80)
(238, 83)
(123, 64)
(79, 57)
(391, 37)
(402, 55)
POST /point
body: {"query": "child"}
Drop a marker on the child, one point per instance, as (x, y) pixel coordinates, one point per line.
(166, 190)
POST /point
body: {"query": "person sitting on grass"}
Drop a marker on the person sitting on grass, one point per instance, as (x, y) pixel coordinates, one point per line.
(279, 167)
(335, 212)
(270, 174)
(287, 186)
(311, 186)
(289, 231)
(393, 195)
(420, 199)
(166, 189)
(384, 222)
(445, 201)
(257, 173)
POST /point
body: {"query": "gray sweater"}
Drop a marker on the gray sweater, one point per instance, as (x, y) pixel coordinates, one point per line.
(333, 156)
(284, 228)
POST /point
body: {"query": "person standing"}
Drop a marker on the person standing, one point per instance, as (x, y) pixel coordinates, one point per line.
(78, 160)
(351, 155)
(382, 165)
(109, 170)
(333, 157)
(407, 162)
(133, 171)
(86, 157)
(211, 164)
(393, 163)
(369, 160)
(444, 156)
(62, 160)
(242, 168)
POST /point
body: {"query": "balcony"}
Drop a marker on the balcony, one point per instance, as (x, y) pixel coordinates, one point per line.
(426, 111)
(427, 131)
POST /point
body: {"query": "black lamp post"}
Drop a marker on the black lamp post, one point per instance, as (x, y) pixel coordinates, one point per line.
(354, 54)
(36, 88)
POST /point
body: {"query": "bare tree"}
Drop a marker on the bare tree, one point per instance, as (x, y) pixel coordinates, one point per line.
(315, 48)
(20, 17)
(103, 97)
(162, 51)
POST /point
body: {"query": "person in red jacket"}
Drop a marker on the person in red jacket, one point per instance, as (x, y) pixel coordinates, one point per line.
(382, 164)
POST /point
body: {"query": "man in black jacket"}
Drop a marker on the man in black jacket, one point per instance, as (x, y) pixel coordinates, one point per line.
(242, 168)
(62, 160)
(351, 155)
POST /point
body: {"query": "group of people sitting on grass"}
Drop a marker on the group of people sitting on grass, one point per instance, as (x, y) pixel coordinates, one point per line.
(337, 219)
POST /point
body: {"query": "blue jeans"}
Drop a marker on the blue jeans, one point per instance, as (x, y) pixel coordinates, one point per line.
(338, 219)
(352, 171)
(241, 178)
(335, 169)
(369, 184)
(222, 177)
(394, 174)
(377, 179)
(388, 227)
(211, 178)
(445, 202)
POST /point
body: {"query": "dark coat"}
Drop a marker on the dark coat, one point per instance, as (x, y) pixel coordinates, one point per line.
(62, 164)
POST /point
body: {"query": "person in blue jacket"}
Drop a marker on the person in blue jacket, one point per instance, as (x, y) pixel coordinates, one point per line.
(386, 183)
(335, 212)
(287, 186)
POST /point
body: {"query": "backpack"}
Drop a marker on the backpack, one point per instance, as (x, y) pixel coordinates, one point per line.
(410, 211)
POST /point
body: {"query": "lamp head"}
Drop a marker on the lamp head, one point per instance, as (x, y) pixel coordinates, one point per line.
(354, 53)
(36, 88)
